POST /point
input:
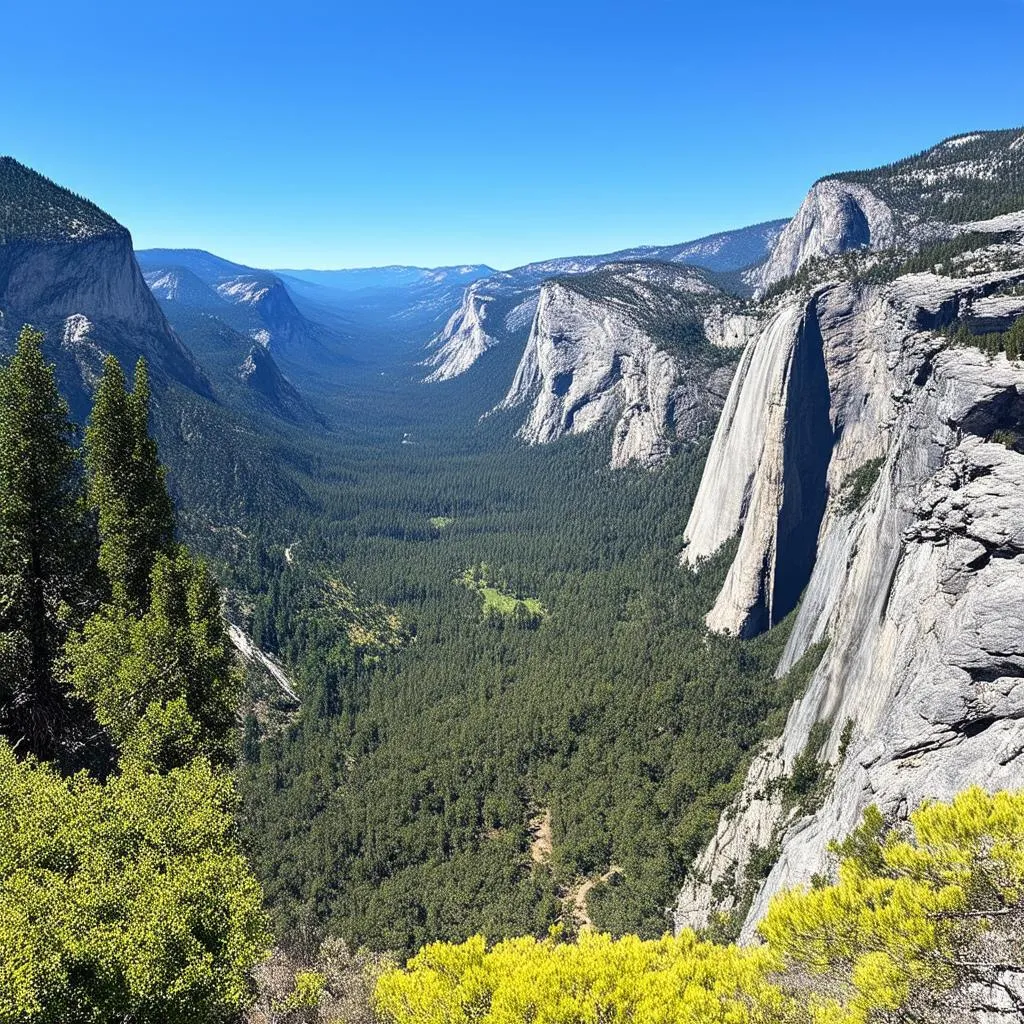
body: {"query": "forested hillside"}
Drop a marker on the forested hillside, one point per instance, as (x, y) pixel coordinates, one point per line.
(968, 177)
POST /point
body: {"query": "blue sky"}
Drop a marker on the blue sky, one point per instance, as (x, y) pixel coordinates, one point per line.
(352, 134)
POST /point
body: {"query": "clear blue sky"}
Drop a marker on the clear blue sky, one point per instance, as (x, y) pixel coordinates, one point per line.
(346, 134)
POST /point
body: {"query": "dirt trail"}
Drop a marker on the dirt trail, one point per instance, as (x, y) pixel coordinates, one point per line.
(541, 846)
(574, 898)
(577, 896)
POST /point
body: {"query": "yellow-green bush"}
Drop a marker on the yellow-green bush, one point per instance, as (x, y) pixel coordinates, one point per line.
(906, 906)
(667, 981)
(894, 927)
(124, 901)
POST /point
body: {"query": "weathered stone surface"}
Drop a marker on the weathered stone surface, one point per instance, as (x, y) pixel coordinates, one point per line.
(465, 337)
(594, 356)
(835, 217)
(495, 309)
(918, 590)
(89, 297)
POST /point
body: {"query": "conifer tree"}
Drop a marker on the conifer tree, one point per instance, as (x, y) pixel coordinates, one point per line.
(163, 684)
(127, 485)
(43, 548)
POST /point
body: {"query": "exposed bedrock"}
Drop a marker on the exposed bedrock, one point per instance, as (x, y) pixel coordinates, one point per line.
(595, 359)
(836, 216)
(916, 584)
(777, 431)
(89, 297)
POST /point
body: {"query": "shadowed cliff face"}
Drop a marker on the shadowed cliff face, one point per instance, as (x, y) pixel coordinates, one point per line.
(835, 217)
(916, 587)
(68, 269)
(807, 450)
(766, 477)
(253, 302)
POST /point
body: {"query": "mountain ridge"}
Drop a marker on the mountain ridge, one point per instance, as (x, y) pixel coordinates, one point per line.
(472, 330)
(68, 268)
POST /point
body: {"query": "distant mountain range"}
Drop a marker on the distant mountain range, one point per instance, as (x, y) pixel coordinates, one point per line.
(367, 311)
(378, 278)
(501, 307)
(254, 302)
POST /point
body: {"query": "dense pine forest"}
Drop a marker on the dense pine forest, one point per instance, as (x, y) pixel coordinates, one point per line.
(401, 803)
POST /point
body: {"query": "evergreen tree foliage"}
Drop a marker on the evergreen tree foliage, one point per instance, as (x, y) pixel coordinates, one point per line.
(43, 548)
(126, 899)
(126, 485)
(982, 176)
(34, 208)
(163, 683)
(123, 901)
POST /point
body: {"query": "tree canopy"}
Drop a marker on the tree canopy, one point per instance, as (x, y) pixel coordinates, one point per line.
(916, 916)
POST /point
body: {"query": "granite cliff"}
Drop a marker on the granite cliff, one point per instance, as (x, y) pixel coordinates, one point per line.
(67, 268)
(500, 308)
(646, 347)
(870, 459)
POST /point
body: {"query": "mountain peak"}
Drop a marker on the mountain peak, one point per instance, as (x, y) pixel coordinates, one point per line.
(35, 209)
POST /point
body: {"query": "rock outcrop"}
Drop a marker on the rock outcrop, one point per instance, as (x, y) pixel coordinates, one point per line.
(497, 309)
(873, 466)
(180, 286)
(777, 407)
(836, 216)
(965, 183)
(261, 375)
(627, 345)
(466, 336)
(68, 269)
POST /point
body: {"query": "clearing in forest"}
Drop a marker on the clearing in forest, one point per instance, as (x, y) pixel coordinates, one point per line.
(497, 600)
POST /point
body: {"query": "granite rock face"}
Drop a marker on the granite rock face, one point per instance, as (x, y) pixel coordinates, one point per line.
(920, 198)
(600, 351)
(466, 336)
(915, 584)
(836, 216)
(89, 297)
(499, 308)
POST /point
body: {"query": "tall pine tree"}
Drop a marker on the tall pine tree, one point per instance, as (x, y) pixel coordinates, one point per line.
(155, 662)
(44, 550)
(126, 485)
(163, 684)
